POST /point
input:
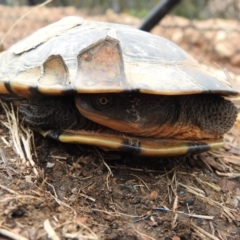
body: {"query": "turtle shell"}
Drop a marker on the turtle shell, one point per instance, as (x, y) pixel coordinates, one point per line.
(75, 55)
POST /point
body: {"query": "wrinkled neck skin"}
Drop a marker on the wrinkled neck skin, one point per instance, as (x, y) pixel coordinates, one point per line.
(189, 117)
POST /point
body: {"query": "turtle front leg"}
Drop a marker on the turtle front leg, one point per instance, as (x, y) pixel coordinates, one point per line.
(52, 113)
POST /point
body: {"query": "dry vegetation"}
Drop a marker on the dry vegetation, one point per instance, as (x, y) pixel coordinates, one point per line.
(50, 190)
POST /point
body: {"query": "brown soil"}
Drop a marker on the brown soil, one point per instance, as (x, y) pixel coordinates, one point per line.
(79, 192)
(90, 194)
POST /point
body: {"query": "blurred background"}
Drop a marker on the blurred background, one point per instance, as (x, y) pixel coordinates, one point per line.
(207, 29)
(203, 9)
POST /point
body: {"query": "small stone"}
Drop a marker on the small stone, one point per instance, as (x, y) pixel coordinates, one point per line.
(181, 192)
(108, 231)
(227, 185)
(114, 225)
(188, 202)
(199, 221)
(17, 213)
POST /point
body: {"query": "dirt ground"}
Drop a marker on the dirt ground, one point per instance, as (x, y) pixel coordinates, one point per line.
(66, 191)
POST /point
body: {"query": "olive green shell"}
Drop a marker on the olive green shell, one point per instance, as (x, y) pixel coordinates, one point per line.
(75, 55)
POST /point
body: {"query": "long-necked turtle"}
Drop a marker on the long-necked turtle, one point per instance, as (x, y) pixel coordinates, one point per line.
(117, 88)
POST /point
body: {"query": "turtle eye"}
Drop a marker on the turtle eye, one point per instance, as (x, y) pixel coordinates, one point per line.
(103, 101)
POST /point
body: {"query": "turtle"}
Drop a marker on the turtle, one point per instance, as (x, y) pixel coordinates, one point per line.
(117, 88)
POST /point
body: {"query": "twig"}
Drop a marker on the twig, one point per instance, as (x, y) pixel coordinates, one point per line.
(210, 236)
(187, 214)
(50, 231)
(114, 213)
(226, 210)
(8, 189)
(229, 175)
(80, 233)
(146, 236)
(109, 169)
(21, 18)
(11, 235)
(5, 141)
(59, 201)
(18, 197)
(3, 157)
(141, 181)
(193, 190)
(214, 186)
(134, 169)
(87, 197)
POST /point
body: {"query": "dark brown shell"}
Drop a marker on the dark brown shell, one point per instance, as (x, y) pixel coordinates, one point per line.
(74, 55)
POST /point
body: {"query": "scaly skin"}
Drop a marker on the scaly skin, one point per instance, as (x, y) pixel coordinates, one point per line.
(192, 117)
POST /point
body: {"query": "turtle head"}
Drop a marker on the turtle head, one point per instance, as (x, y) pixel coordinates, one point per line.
(195, 117)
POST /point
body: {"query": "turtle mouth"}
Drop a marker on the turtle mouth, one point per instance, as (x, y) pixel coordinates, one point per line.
(115, 125)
